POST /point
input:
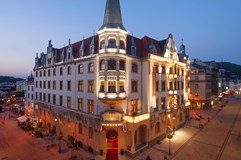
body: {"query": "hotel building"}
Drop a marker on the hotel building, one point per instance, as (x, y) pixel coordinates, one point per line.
(111, 91)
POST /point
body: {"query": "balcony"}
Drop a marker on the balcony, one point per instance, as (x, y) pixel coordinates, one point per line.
(112, 98)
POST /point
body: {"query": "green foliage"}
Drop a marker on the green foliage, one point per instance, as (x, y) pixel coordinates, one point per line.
(9, 79)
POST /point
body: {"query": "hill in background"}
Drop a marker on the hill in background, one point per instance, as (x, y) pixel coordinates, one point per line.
(9, 79)
(234, 69)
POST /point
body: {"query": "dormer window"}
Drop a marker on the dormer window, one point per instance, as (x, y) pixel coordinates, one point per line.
(152, 49)
(92, 49)
(69, 55)
(112, 43)
(122, 45)
(133, 50)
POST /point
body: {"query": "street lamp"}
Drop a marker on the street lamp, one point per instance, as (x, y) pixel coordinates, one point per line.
(174, 122)
(169, 137)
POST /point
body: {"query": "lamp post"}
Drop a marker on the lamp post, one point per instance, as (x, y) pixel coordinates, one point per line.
(169, 137)
(174, 123)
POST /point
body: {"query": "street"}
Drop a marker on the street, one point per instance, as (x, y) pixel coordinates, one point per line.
(218, 139)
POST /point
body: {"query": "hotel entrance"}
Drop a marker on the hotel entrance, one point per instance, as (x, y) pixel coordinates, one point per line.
(112, 145)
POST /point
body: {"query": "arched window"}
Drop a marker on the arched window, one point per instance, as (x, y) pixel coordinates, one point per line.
(91, 67)
(122, 45)
(61, 71)
(157, 128)
(122, 65)
(81, 69)
(49, 72)
(54, 72)
(69, 70)
(152, 49)
(112, 64)
(102, 65)
(102, 44)
(112, 43)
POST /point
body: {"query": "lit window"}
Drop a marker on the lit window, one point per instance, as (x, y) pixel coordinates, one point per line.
(69, 102)
(134, 107)
(122, 88)
(163, 103)
(80, 85)
(90, 86)
(80, 104)
(102, 86)
(91, 106)
(111, 86)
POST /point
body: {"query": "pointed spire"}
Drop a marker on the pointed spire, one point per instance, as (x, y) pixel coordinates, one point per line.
(112, 17)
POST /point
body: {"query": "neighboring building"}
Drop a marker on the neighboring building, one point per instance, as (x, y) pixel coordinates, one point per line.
(20, 85)
(111, 91)
(29, 96)
(3, 94)
(203, 84)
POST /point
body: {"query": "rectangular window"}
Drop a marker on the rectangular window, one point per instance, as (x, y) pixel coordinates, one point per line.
(80, 128)
(91, 133)
(69, 85)
(163, 103)
(36, 84)
(54, 99)
(49, 98)
(61, 100)
(80, 85)
(182, 85)
(69, 102)
(36, 95)
(54, 85)
(157, 86)
(170, 86)
(163, 85)
(49, 85)
(44, 97)
(111, 86)
(157, 103)
(91, 106)
(134, 86)
(102, 86)
(196, 86)
(134, 107)
(60, 85)
(134, 68)
(40, 84)
(40, 96)
(122, 88)
(90, 86)
(178, 99)
(44, 84)
(80, 104)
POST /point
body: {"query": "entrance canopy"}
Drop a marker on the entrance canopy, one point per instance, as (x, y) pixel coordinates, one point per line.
(22, 119)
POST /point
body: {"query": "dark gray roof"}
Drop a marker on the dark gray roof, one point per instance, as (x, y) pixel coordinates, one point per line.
(112, 17)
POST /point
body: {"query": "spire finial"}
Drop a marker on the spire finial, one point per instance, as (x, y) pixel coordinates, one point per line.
(112, 18)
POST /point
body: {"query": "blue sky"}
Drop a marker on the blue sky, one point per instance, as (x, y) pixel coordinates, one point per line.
(211, 29)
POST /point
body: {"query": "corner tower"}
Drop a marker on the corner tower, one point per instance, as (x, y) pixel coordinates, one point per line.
(112, 34)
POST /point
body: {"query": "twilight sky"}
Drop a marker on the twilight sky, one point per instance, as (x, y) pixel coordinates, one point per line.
(211, 29)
